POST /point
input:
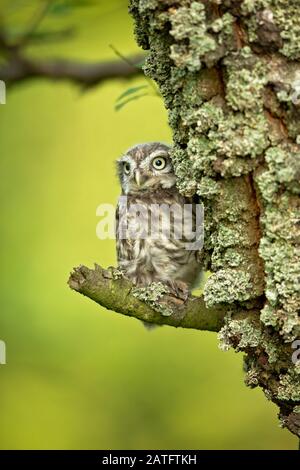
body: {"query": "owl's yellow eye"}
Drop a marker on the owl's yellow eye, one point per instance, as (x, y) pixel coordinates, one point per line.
(126, 168)
(159, 163)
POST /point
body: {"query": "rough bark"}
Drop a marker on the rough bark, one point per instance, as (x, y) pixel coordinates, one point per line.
(229, 73)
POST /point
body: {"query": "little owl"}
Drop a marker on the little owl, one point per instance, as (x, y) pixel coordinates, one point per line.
(151, 244)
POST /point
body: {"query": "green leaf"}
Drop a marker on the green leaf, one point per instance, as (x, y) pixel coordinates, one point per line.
(62, 7)
(130, 91)
(121, 104)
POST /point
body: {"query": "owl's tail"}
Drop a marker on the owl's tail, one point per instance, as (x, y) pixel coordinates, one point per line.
(149, 326)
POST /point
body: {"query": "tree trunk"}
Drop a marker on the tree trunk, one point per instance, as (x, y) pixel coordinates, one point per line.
(229, 73)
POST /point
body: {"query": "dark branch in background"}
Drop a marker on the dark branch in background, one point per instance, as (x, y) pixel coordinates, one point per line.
(118, 295)
(19, 68)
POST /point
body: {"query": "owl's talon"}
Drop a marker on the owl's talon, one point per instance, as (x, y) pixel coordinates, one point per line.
(107, 273)
(179, 289)
(113, 273)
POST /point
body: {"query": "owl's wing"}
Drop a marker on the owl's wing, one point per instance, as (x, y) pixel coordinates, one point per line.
(117, 223)
(123, 243)
(199, 254)
(195, 201)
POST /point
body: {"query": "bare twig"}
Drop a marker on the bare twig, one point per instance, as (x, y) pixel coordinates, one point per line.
(18, 69)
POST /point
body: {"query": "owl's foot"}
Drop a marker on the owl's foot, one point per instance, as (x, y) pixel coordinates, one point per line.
(149, 326)
(113, 273)
(179, 289)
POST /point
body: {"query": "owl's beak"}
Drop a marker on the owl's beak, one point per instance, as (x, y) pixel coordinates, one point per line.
(138, 177)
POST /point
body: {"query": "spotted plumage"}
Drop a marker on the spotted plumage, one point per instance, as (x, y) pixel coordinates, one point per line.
(152, 250)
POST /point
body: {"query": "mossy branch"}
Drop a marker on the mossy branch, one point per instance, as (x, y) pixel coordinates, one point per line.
(114, 292)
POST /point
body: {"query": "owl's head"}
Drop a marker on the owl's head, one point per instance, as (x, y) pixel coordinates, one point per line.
(145, 167)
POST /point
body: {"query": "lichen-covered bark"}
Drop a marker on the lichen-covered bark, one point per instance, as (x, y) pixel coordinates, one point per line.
(229, 73)
(154, 304)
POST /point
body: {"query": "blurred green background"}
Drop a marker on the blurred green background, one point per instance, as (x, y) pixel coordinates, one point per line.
(78, 376)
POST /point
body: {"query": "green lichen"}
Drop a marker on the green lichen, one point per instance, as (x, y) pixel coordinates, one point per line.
(240, 333)
(283, 14)
(228, 286)
(284, 167)
(286, 17)
(192, 39)
(224, 25)
(252, 378)
(117, 273)
(239, 136)
(288, 94)
(271, 346)
(229, 236)
(289, 386)
(250, 6)
(231, 258)
(196, 41)
(203, 117)
(243, 334)
(247, 76)
(230, 136)
(268, 315)
(152, 295)
(279, 184)
(145, 5)
(208, 187)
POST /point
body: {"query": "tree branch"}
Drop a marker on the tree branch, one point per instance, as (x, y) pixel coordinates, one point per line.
(18, 69)
(117, 294)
